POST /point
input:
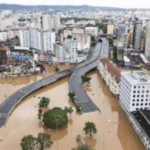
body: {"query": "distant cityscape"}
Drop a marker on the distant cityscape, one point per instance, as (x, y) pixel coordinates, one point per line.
(113, 41)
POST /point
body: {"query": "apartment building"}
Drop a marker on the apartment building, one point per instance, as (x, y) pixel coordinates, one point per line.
(83, 41)
(3, 36)
(134, 90)
(91, 30)
(110, 29)
(24, 38)
(36, 39)
(137, 35)
(135, 102)
(44, 22)
(72, 50)
(60, 53)
(49, 39)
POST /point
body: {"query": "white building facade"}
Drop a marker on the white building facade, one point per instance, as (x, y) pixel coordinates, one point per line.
(3, 36)
(134, 91)
(36, 39)
(49, 39)
(72, 50)
(91, 30)
(135, 102)
(60, 53)
(24, 38)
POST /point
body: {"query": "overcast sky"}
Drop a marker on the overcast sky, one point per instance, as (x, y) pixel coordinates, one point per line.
(112, 3)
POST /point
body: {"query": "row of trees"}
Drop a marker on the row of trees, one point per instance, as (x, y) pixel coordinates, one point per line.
(72, 98)
(44, 102)
(41, 142)
(83, 147)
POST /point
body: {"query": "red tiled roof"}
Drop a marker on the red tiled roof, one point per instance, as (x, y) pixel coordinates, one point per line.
(112, 69)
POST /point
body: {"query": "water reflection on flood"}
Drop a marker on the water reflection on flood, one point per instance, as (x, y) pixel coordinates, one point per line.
(114, 131)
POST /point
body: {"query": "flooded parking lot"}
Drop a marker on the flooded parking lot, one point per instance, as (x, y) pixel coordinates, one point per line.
(114, 130)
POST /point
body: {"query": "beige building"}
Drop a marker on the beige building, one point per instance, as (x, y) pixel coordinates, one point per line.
(91, 30)
(111, 75)
(110, 29)
(84, 41)
(77, 31)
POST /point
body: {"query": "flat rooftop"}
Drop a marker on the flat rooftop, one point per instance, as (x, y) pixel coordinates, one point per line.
(143, 118)
(136, 77)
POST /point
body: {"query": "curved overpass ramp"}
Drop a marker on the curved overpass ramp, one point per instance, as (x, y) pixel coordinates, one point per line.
(75, 85)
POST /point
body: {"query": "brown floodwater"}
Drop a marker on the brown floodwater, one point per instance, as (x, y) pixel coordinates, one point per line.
(113, 129)
(10, 85)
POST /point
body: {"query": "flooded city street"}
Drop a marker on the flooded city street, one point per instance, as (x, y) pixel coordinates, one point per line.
(113, 129)
(10, 85)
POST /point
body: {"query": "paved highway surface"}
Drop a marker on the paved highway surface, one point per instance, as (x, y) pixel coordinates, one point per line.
(75, 85)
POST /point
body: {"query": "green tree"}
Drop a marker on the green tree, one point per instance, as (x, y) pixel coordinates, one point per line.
(68, 110)
(40, 114)
(44, 141)
(71, 96)
(28, 142)
(55, 118)
(90, 128)
(69, 37)
(86, 79)
(79, 109)
(115, 52)
(56, 68)
(44, 102)
(82, 147)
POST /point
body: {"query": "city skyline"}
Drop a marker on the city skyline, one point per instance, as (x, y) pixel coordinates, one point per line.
(102, 3)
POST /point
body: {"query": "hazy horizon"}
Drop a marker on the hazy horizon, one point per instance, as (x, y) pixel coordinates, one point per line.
(102, 3)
